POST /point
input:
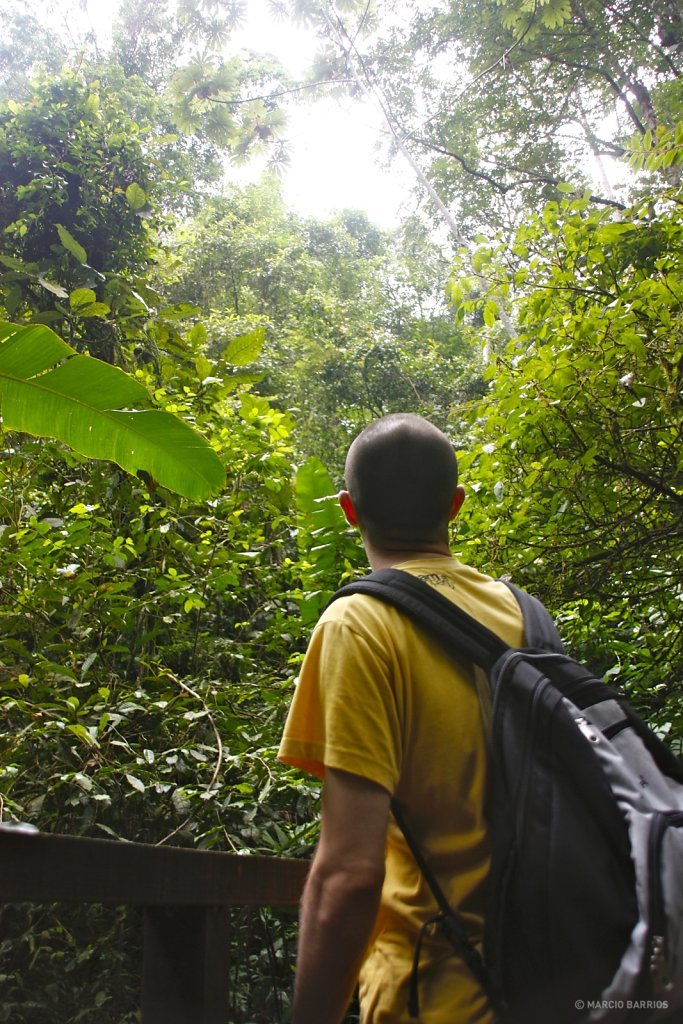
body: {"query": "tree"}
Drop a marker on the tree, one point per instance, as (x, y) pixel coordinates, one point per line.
(79, 200)
(166, 64)
(26, 44)
(85, 190)
(356, 325)
(576, 460)
(220, 104)
(72, 156)
(141, 659)
(577, 80)
(147, 644)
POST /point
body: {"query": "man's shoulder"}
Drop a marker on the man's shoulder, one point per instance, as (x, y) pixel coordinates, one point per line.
(355, 611)
(486, 599)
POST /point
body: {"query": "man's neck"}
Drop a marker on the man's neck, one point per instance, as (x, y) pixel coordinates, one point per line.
(385, 555)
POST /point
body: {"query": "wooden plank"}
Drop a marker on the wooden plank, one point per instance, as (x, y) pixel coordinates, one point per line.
(186, 976)
(42, 867)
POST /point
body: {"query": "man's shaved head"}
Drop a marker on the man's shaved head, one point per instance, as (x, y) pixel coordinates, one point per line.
(402, 475)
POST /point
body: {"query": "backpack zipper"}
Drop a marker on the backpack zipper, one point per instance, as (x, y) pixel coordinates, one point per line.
(659, 953)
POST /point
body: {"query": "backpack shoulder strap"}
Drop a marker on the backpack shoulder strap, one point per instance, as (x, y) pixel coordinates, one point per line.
(466, 638)
(539, 629)
(460, 632)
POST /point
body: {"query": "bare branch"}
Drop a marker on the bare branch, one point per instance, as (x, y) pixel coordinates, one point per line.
(659, 50)
(531, 176)
(283, 92)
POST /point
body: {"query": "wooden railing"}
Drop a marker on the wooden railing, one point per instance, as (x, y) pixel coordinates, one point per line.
(186, 896)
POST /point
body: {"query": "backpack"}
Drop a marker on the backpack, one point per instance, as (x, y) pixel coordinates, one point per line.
(584, 916)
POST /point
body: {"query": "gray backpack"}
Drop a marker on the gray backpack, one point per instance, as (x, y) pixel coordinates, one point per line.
(585, 902)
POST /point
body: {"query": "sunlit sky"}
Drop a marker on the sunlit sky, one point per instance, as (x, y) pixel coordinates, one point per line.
(332, 143)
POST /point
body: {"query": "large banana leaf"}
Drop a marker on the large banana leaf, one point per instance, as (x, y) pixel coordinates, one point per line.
(320, 521)
(316, 497)
(320, 533)
(48, 390)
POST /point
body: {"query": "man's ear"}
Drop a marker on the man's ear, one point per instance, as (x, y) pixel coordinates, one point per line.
(347, 508)
(458, 499)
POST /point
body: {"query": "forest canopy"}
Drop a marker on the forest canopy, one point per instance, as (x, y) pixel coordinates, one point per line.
(529, 304)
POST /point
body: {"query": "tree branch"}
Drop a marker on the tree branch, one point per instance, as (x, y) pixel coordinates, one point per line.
(659, 50)
(621, 95)
(611, 81)
(436, 148)
(643, 478)
(505, 188)
(282, 92)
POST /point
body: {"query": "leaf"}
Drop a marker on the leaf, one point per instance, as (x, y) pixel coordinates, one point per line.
(246, 348)
(82, 297)
(136, 783)
(320, 519)
(88, 663)
(312, 484)
(95, 309)
(136, 196)
(56, 289)
(611, 232)
(490, 313)
(70, 243)
(82, 733)
(48, 390)
(203, 366)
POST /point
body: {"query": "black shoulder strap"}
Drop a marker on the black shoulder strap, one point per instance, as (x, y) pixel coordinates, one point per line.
(465, 637)
(539, 629)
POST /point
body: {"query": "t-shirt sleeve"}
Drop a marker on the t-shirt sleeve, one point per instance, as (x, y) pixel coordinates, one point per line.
(344, 714)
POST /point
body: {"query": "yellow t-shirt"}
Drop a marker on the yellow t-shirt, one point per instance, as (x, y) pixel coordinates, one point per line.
(379, 699)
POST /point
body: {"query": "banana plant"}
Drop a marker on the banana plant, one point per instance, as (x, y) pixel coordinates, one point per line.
(329, 551)
(47, 389)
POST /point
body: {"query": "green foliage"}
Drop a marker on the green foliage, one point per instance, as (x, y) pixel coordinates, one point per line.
(78, 208)
(69, 156)
(578, 80)
(138, 627)
(26, 42)
(216, 104)
(576, 452)
(52, 970)
(661, 152)
(149, 647)
(148, 644)
(329, 552)
(354, 319)
(46, 389)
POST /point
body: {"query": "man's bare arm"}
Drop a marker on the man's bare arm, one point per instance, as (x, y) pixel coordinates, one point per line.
(341, 897)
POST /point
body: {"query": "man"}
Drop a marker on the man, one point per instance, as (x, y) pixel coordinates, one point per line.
(382, 711)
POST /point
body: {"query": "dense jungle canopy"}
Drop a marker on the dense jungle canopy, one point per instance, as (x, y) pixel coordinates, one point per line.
(155, 611)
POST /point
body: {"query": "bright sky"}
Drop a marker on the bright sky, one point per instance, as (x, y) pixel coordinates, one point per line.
(334, 165)
(332, 143)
